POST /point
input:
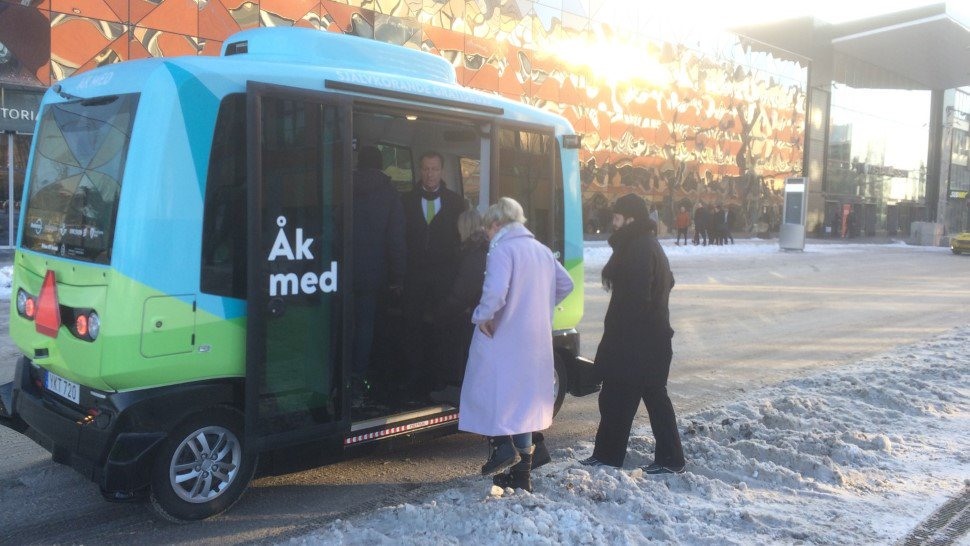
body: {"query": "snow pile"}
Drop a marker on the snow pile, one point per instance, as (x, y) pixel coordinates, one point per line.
(857, 455)
(6, 281)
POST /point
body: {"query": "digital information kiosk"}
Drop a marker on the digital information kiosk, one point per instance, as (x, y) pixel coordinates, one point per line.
(792, 236)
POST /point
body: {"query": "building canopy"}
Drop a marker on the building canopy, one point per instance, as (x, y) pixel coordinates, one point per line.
(922, 48)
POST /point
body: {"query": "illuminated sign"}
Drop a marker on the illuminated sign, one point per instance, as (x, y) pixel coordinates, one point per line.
(19, 109)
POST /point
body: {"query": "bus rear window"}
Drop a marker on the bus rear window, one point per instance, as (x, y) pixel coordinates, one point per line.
(76, 175)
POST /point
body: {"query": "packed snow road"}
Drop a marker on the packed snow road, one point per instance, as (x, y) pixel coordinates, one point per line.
(746, 316)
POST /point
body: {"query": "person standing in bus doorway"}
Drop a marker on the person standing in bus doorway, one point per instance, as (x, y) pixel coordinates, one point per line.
(509, 388)
(453, 316)
(431, 217)
(635, 352)
(379, 254)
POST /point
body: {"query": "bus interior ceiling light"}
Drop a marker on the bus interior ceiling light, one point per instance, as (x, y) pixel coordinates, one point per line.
(411, 117)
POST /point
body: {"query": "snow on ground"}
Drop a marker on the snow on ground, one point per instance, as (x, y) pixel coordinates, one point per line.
(6, 279)
(596, 253)
(857, 455)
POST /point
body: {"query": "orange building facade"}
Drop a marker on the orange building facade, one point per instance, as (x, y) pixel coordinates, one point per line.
(710, 122)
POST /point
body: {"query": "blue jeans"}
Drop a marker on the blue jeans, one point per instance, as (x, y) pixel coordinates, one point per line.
(522, 441)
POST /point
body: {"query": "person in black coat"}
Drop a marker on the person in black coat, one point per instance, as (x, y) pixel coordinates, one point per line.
(635, 352)
(453, 317)
(379, 251)
(717, 226)
(431, 217)
(700, 223)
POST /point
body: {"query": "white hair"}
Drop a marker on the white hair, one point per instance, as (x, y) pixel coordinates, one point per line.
(505, 211)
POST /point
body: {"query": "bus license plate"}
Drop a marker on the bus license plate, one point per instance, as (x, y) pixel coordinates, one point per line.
(60, 386)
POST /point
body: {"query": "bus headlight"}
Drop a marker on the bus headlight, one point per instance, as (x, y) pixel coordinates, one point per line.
(94, 325)
(86, 325)
(81, 325)
(26, 305)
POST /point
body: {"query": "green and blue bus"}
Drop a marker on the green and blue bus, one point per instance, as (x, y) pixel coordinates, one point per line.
(167, 339)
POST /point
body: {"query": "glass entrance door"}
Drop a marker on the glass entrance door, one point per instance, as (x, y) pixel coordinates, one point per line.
(299, 150)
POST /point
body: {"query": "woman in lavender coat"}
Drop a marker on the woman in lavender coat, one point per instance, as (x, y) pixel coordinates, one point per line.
(508, 392)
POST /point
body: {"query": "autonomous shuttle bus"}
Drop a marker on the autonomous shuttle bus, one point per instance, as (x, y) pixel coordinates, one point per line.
(181, 282)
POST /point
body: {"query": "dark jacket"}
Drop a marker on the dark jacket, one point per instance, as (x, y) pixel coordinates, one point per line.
(701, 218)
(467, 287)
(453, 316)
(638, 317)
(379, 251)
(432, 248)
(717, 221)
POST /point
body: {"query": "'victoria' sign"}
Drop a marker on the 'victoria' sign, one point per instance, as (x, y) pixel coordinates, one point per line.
(19, 109)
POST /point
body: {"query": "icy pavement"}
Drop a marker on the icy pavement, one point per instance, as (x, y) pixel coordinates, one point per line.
(858, 455)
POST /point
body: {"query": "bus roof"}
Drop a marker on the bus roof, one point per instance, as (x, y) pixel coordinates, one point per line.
(293, 45)
(307, 59)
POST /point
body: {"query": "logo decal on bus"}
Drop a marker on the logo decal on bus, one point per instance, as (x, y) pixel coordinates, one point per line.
(286, 284)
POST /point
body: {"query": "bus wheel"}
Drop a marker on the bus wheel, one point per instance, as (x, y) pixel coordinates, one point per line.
(202, 468)
(560, 383)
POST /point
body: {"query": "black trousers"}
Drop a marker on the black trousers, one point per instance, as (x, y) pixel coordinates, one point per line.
(423, 345)
(682, 231)
(619, 400)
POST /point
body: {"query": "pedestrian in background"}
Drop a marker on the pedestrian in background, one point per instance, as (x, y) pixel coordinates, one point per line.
(635, 352)
(726, 225)
(682, 222)
(700, 223)
(509, 388)
(655, 216)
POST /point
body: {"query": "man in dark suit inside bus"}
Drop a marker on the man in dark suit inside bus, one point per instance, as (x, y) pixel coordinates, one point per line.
(431, 215)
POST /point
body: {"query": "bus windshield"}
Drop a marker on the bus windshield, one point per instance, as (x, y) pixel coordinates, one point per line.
(76, 177)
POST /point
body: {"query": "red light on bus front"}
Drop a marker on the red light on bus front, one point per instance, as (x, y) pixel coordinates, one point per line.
(48, 320)
(81, 325)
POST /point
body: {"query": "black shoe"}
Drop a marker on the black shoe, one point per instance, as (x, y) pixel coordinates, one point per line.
(502, 454)
(519, 475)
(594, 462)
(514, 479)
(450, 394)
(654, 468)
(541, 455)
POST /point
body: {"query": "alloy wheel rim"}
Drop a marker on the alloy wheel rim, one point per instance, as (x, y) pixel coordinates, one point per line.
(205, 464)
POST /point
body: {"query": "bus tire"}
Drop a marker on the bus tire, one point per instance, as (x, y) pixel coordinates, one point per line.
(202, 468)
(561, 382)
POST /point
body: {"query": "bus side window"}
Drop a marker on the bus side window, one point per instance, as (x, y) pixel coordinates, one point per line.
(471, 180)
(224, 222)
(530, 172)
(399, 165)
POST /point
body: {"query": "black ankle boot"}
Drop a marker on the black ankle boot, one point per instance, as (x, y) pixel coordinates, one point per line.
(502, 454)
(541, 455)
(519, 475)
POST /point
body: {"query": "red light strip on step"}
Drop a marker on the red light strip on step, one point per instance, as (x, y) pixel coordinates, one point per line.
(392, 431)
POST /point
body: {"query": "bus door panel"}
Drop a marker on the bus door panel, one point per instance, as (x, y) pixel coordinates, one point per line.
(528, 170)
(299, 156)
